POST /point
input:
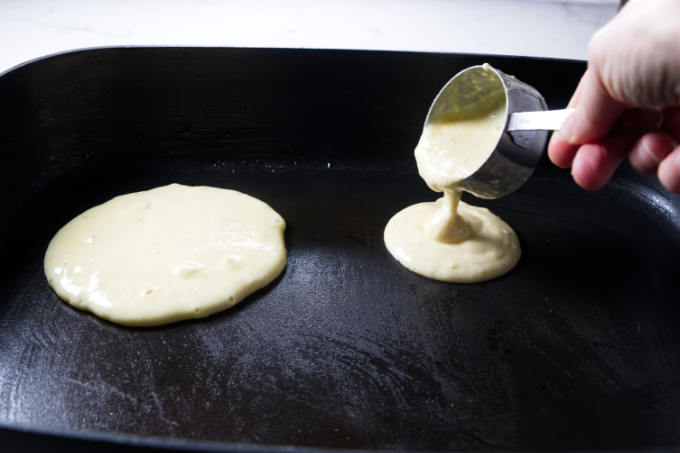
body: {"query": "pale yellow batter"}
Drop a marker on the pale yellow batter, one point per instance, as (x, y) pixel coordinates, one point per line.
(469, 246)
(167, 254)
(450, 240)
(453, 147)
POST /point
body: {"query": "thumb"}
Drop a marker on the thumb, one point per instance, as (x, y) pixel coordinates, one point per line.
(595, 114)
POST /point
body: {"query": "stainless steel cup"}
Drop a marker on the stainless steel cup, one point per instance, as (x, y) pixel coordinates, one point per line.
(517, 152)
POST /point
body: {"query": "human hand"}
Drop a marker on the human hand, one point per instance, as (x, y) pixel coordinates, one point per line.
(628, 101)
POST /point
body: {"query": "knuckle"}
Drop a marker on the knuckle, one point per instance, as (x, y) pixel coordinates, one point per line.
(597, 47)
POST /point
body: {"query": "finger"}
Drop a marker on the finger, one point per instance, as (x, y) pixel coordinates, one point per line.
(595, 115)
(649, 151)
(596, 162)
(669, 171)
(594, 165)
(560, 152)
(577, 92)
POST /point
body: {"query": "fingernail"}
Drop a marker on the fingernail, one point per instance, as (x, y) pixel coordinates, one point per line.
(567, 130)
(644, 143)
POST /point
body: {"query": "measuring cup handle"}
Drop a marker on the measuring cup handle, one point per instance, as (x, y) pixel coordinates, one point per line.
(548, 120)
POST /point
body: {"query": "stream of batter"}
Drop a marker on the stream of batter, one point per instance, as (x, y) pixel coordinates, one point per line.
(448, 239)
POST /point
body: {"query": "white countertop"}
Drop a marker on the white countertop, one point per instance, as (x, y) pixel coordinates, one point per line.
(544, 28)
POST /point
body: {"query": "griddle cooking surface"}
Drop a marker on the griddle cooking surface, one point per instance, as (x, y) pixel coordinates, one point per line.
(577, 348)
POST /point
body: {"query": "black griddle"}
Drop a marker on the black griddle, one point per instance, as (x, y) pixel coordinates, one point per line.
(577, 348)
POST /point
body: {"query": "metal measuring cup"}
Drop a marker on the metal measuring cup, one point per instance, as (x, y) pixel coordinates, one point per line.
(524, 136)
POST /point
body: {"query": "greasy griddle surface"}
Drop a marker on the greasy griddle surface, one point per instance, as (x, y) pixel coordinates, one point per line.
(578, 347)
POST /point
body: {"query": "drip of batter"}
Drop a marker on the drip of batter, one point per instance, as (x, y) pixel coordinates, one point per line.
(450, 240)
(167, 254)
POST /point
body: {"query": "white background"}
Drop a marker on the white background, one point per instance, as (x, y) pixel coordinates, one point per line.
(547, 28)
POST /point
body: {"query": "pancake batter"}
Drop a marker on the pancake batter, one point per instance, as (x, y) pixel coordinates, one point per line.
(450, 240)
(167, 254)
